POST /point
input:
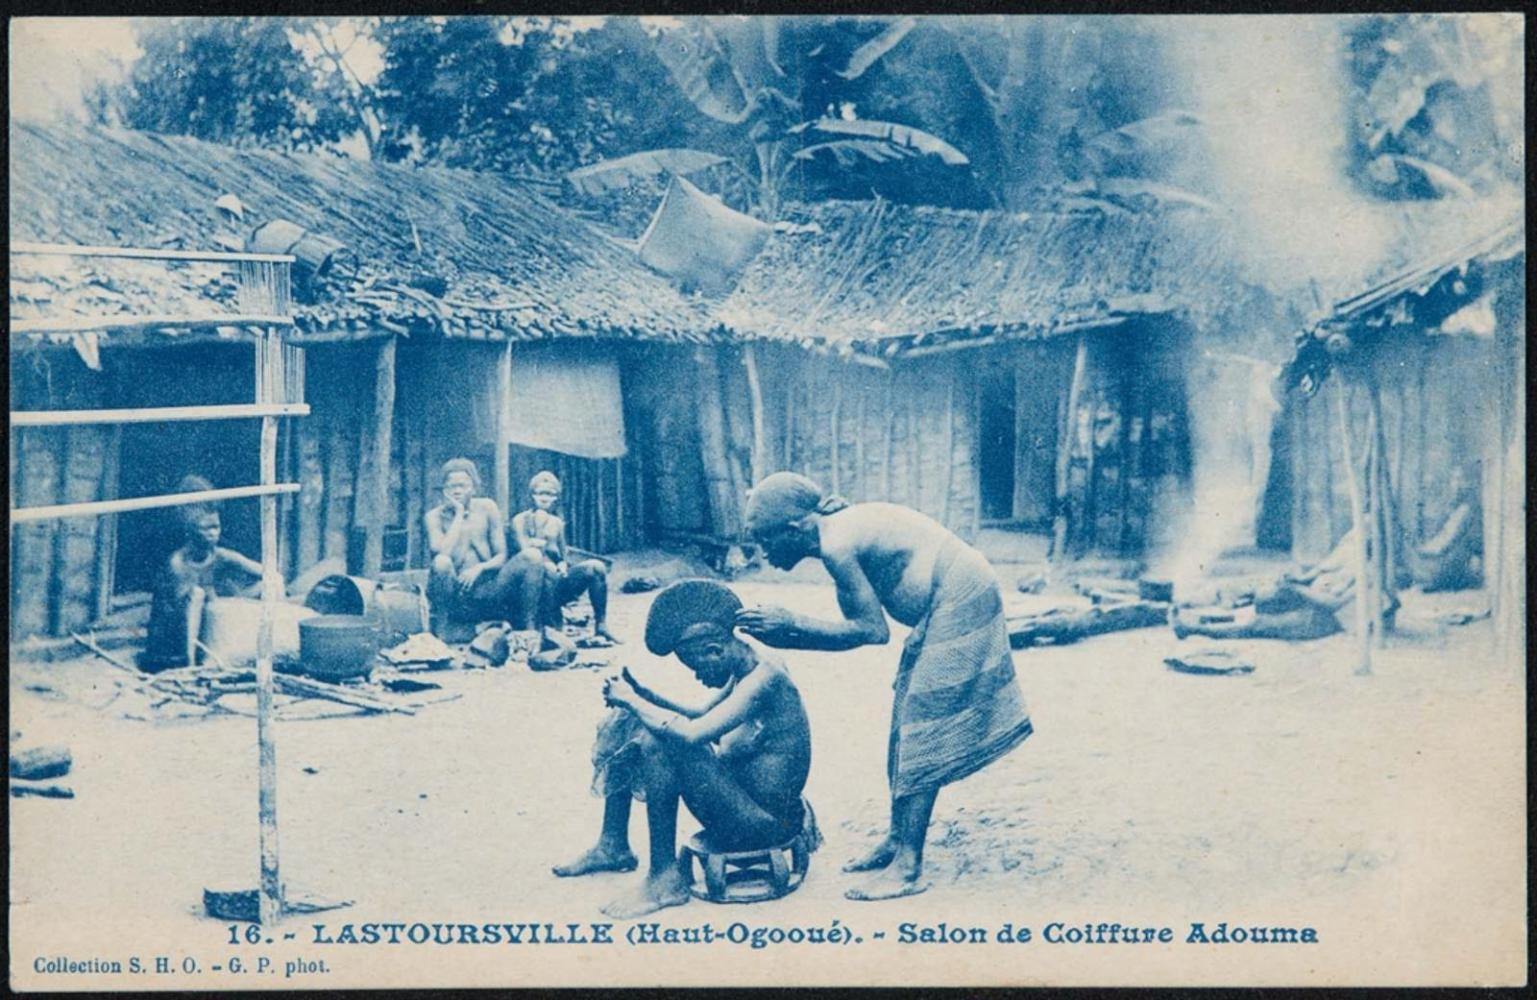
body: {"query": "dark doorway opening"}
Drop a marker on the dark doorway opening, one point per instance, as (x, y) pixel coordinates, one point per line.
(997, 443)
(155, 457)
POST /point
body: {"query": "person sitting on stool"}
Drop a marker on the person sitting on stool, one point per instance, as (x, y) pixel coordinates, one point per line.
(740, 763)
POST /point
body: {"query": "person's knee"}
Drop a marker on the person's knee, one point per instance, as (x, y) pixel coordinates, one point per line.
(593, 569)
(442, 565)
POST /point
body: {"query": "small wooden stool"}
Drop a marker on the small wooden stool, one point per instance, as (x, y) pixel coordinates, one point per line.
(751, 876)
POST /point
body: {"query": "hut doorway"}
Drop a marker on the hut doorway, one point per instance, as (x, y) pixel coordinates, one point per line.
(997, 443)
(153, 458)
(1020, 400)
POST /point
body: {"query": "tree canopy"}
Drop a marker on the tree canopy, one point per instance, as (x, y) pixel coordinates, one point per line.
(998, 110)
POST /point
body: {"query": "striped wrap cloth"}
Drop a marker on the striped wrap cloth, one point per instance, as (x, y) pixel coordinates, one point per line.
(958, 705)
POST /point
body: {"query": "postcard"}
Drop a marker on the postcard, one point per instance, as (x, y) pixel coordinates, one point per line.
(822, 500)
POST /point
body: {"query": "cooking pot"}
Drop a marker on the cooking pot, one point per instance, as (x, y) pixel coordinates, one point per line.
(338, 647)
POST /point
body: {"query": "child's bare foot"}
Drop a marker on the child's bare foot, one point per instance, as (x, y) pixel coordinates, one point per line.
(880, 857)
(599, 859)
(893, 882)
(657, 892)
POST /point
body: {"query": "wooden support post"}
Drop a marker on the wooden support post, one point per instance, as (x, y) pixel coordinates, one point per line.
(1385, 541)
(271, 889)
(835, 458)
(755, 398)
(32, 557)
(888, 443)
(1364, 593)
(75, 543)
(1069, 431)
(724, 504)
(502, 462)
(106, 535)
(338, 487)
(377, 488)
(944, 501)
(312, 487)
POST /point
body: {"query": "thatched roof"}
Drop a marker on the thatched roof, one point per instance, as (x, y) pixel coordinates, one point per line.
(880, 277)
(516, 266)
(887, 279)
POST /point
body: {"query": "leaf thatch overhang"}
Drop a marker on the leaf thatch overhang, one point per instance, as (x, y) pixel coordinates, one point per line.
(500, 262)
(1417, 297)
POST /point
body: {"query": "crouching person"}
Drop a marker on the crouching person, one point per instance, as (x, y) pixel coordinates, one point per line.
(740, 763)
(200, 571)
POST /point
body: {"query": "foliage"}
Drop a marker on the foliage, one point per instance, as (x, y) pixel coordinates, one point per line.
(1427, 117)
(236, 80)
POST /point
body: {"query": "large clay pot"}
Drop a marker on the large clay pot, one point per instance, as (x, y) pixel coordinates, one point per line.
(338, 647)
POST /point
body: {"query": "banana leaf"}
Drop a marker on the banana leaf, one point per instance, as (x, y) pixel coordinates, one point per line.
(870, 52)
(850, 152)
(703, 71)
(898, 137)
(622, 171)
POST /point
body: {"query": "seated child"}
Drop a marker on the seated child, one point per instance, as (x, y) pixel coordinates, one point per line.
(200, 571)
(739, 764)
(550, 583)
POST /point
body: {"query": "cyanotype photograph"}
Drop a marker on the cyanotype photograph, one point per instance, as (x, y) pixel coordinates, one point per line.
(740, 500)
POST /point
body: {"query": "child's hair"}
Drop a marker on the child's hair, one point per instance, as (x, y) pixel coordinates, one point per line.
(192, 513)
(460, 465)
(545, 480)
(687, 608)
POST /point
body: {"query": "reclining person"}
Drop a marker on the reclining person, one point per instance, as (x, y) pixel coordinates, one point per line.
(740, 763)
(549, 581)
(1306, 604)
(471, 578)
(200, 571)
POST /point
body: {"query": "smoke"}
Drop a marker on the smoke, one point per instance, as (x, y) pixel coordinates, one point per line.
(1272, 92)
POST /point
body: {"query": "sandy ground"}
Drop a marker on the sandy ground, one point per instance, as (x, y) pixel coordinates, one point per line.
(1388, 811)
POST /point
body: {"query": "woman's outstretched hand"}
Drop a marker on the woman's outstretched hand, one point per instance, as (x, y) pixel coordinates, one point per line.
(766, 622)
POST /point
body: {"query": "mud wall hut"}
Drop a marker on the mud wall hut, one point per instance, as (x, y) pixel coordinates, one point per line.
(1441, 346)
(1020, 372)
(414, 347)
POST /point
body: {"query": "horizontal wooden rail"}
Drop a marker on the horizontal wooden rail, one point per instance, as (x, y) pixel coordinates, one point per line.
(102, 324)
(144, 253)
(96, 508)
(156, 415)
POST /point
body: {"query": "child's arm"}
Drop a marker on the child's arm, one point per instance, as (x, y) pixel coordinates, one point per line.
(662, 701)
(240, 562)
(730, 712)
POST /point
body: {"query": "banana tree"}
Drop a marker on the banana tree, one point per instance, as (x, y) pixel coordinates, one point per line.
(741, 72)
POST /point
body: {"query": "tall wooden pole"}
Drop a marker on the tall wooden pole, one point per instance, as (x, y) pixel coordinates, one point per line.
(1065, 448)
(1358, 525)
(755, 396)
(378, 504)
(271, 894)
(502, 465)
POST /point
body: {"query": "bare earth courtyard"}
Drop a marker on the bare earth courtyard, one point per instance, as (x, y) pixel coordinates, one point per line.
(1290, 797)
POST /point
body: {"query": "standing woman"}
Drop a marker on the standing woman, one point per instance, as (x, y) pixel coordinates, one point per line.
(958, 706)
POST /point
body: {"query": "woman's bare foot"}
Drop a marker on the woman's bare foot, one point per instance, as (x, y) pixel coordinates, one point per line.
(600, 859)
(657, 892)
(893, 882)
(878, 858)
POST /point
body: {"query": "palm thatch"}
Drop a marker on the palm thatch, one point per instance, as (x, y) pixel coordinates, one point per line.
(504, 262)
